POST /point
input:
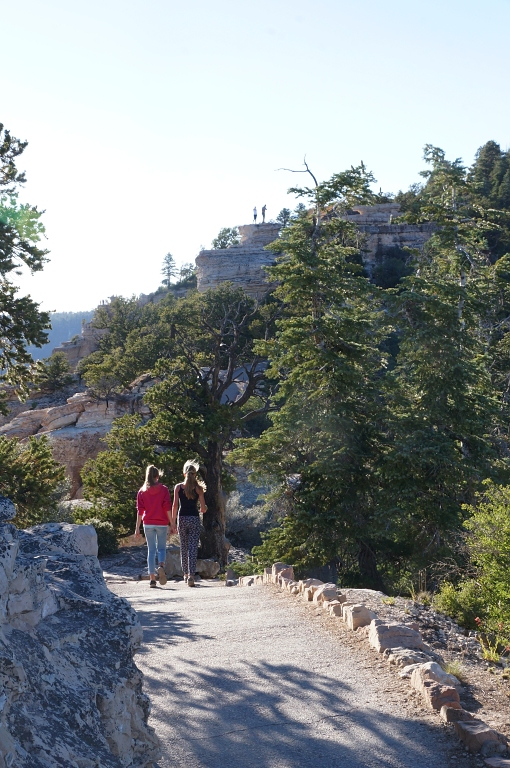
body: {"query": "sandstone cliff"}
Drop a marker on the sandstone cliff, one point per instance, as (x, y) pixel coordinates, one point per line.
(70, 693)
(243, 265)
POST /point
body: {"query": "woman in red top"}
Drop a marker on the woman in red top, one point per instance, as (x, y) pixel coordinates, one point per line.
(153, 505)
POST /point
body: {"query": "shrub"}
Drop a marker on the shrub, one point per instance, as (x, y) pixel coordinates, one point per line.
(464, 603)
(106, 536)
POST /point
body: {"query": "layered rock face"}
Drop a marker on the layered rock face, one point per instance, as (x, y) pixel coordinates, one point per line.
(76, 429)
(70, 693)
(376, 223)
(243, 265)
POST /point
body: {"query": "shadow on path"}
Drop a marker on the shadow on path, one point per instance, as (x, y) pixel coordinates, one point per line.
(257, 714)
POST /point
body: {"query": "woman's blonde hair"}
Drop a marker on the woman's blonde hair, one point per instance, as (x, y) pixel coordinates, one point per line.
(191, 482)
(152, 475)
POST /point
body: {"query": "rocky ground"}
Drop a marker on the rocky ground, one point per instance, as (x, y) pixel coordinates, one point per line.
(486, 690)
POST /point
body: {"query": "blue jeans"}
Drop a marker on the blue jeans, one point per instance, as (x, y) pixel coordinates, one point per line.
(155, 536)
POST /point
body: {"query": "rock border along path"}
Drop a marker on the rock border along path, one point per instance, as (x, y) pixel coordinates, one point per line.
(244, 678)
(402, 644)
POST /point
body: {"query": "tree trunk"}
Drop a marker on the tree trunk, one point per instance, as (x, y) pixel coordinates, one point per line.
(213, 542)
(367, 564)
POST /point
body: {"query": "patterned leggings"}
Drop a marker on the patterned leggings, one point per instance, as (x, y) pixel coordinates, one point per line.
(189, 534)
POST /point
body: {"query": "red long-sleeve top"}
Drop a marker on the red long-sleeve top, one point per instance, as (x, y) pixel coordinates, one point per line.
(154, 504)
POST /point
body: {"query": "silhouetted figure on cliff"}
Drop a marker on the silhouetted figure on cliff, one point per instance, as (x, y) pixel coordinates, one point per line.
(255, 215)
(264, 209)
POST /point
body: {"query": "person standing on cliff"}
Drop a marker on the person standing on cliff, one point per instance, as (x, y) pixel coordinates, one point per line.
(255, 215)
(186, 496)
(153, 507)
(264, 209)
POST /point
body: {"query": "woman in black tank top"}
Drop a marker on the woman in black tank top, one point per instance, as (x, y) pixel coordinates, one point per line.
(186, 497)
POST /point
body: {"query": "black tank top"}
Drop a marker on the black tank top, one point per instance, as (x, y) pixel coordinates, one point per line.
(187, 507)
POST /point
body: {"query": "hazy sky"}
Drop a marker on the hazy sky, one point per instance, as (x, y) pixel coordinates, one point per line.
(152, 125)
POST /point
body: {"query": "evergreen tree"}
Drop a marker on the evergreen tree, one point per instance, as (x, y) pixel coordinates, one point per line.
(31, 478)
(168, 270)
(21, 322)
(444, 407)
(226, 238)
(284, 217)
(53, 373)
(324, 439)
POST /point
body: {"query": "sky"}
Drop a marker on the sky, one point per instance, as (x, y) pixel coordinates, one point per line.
(153, 125)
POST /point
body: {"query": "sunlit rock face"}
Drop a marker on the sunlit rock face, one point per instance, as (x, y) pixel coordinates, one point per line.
(77, 428)
(244, 265)
(70, 692)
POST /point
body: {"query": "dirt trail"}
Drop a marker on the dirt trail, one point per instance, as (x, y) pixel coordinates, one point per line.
(247, 678)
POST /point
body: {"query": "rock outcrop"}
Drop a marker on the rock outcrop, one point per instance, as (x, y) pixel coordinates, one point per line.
(70, 693)
(244, 265)
(76, 429)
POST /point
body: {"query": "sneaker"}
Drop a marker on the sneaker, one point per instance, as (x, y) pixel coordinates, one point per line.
(185, 578)
(191, 581)
(152, 583)
(162, 575)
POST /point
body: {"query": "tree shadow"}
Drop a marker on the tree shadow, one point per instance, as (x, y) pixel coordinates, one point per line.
(164, 627)
(263, 715)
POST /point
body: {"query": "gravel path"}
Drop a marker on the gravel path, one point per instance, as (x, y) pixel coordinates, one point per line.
(244, 678)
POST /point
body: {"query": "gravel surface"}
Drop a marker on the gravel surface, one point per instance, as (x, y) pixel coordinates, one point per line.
(253, 678)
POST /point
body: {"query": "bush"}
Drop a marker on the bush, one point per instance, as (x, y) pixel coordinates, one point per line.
(244, 524)
(464, 602)
(106, 536)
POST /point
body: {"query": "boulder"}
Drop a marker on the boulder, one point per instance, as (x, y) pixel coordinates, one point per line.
(357, 616)
(435, 695)
(452, 715)
(432, 671)
(281, 568)
(208, 569)
(287, 573)
(67, 646)
(324, 592)
(335, 608)
(478, 737)
(383, 636)
(309, 583)
(497, 762)
(405, 657)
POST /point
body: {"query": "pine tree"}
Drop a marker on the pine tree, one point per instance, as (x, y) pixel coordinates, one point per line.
(324, 438)
(168, 270)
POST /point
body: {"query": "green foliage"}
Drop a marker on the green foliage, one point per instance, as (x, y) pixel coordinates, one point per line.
(209, 382)
(112, 480)
(284, 217)
(106, 537)
(250, 568)
(393, 266)
(21, 322)
(464, 602)
(31, 478)
(53, 373)
(226, 238)
(488, 544)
